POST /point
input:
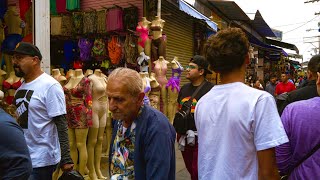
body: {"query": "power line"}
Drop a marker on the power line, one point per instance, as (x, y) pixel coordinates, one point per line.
(294, 23)
(301, 25)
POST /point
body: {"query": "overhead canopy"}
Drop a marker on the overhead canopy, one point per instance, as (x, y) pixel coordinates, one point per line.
(183, 6)
(230, 9)
(261, 26)
(282, 44)
(265, 46)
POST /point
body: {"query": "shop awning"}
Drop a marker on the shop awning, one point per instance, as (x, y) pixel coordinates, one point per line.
(231, 10)
(282, 44)
(261, 26)
(265, 46)
(185, 7)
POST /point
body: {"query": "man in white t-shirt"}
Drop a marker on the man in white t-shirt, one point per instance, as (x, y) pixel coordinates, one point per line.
(41, 108)
(238, 126)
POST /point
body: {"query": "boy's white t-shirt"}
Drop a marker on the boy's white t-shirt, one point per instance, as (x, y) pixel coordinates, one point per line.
(37, 103)
(234, 121)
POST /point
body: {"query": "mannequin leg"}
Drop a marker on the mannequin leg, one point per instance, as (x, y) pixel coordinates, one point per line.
(147, 47)
(164, 99)
(97, 153)
(73, 147)
(108, 133)
(92, 140)
(8, 61)
(172, 104)
(81, 138)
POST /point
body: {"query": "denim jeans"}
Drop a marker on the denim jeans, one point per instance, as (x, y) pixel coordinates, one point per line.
(42, 173)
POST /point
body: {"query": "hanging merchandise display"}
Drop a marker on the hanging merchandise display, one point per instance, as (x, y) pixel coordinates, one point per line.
(101, 21)
(24, 6)
(115, 50)
(130, 18)
(77, 22)
(115, 19)
(61, 6)
(73, 5)
(56, 25)
(3, 8)
(90, 22)
(131, 51)
(85, 46)
(67, 25)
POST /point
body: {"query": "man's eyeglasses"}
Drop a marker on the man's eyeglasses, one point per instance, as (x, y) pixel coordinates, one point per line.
(191, 67)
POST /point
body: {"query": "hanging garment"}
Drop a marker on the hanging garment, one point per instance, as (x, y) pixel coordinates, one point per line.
(24, 5)
(115, 20)
(53, 7)
(101, 21)
(115, 50)
(79, 105)
(90, 22)
(144, 35)
(99, 48)
(70, 49)
(56, 52)
(3, 8)
(61, 6)
(77, 22)
(130, 18)
(130, 48)
(85, 46)
(73, 5)
(67, 25)
(56, 25)
(28, 21)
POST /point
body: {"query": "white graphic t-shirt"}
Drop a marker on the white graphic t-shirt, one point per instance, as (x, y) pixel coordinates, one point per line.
(234, 121)
(37, 103)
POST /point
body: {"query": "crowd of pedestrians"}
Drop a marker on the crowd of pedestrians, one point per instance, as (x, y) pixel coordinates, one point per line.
(233, 131)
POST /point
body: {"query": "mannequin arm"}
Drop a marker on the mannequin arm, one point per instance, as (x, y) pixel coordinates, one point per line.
(62, 128)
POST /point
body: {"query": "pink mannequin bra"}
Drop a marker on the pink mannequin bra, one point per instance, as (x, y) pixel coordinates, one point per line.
(144, 32)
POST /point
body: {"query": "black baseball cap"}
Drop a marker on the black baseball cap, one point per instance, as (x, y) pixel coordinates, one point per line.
(201, 62)
(26, 49)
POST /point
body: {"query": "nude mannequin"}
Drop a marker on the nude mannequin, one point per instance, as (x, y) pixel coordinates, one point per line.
(154, 94)
(70, 74)
(160, 70)
(158, 22)
(173, 88)
(99, 117)
(78, 137)
(88, 72)
(13, 20)
(57, 76)
(2, 75)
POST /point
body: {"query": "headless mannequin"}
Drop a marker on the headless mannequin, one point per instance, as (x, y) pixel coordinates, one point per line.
(154, 94)
(13, 23)
(78, 137)
(9, 93)
(173, 88)
(158, 46)
(2, 75)
(144, 24)
(57, 76)
(160, 70)
(146, 87)
(70, 74)
(88, 72)
(99, 117)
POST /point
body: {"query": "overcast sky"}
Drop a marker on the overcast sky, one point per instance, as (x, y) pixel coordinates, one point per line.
(293, 17)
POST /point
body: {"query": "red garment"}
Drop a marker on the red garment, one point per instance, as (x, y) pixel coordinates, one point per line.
(28, 38)
(190, 157)
(61, 6)
(14, 86)
(9, 100)
(284, 87)
(114, 20)
(24, 6)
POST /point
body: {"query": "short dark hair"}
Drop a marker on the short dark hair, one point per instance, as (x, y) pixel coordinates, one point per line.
(202, 64)
(273, 76)
(314, 63)
(227, 50)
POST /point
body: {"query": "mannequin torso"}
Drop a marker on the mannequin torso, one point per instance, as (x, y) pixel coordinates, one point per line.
(13, 20)
(156, 27)
(160, 70)
(57, 76)
(88, 72)
(154, 94)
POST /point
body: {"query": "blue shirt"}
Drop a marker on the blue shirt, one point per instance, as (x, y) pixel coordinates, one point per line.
(154, 152)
